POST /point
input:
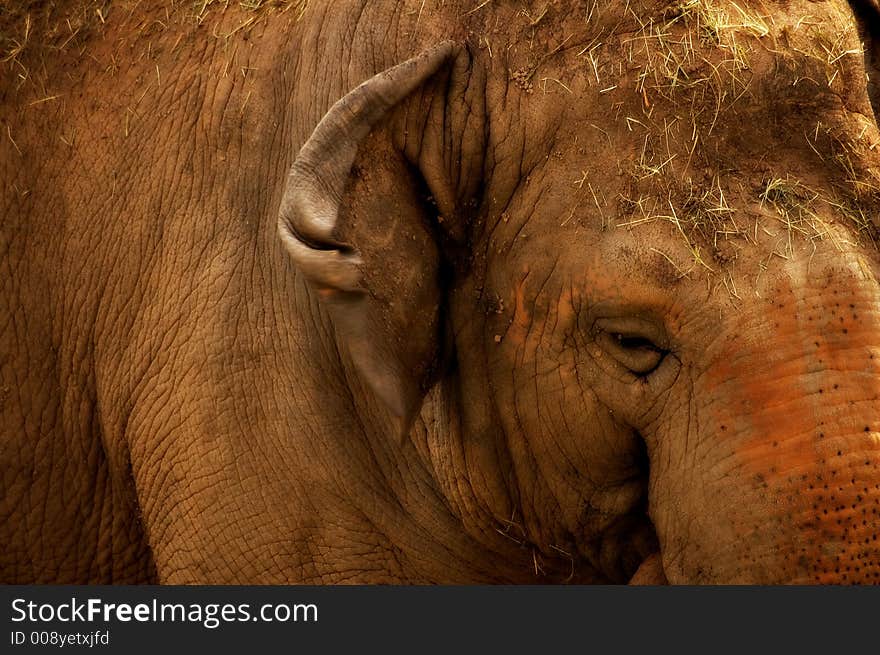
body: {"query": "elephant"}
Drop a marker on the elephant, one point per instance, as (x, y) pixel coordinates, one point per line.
(444, 292)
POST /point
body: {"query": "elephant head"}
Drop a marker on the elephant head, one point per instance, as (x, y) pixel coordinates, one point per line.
(621, 298)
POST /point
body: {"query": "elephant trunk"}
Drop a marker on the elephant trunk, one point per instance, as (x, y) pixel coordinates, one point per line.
(777, 477)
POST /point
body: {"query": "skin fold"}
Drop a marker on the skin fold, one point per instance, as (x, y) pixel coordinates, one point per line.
(603, 307)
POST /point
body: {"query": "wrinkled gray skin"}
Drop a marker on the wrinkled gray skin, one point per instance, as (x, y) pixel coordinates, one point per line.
(481, 351)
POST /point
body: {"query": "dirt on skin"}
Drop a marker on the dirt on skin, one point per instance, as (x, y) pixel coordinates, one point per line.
(37, 37)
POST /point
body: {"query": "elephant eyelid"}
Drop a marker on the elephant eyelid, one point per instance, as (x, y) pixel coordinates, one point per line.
(632, 343)
(638, 355)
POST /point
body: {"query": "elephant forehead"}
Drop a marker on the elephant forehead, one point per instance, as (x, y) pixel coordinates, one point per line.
(701, 58)
(681, 84)
(689, 143)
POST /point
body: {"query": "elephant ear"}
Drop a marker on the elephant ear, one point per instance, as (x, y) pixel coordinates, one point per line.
(363, 238)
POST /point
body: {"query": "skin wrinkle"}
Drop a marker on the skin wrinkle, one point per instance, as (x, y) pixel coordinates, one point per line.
(509, 497)
(79, 414)
(493, 146)
(468, 110)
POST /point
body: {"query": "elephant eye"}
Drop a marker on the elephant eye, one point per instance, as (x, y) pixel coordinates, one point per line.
(633, 343)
